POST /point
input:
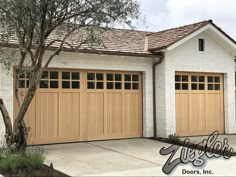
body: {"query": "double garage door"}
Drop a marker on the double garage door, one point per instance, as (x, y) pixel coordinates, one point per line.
(81, 105)
(199, 103)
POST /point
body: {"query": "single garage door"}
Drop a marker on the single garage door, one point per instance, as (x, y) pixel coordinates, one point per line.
(83, 105)
(199, 103)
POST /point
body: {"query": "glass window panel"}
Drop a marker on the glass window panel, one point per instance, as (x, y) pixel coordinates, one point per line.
(201, 78)
(99, 76)
(21, 74)
(110, 77)
(65, 84)
(91, 76)
(75, 76)
(118, 77)
(66, 75)
(27, 83)
(217, 79)
(21, 84)
(53, 84)
(177, 78)
(184, 78)
(194, 86)
(194, 78)
(110, 85)
(177, 86)
(185, 86)
(99, 85)
(127, 86)
(135, 77)
(91, 85)
(45, 75)
(135, 86)
(201, 87)
(27, 73)
(217, 86)
(43, 84)
(75, 85)
(210, 87)
(127, 77)
(118, 85)
(210, 79)
(53, 75)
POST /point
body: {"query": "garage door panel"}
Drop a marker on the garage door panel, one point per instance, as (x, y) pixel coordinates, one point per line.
(47, 115)
(199, 103)
(182, 113)
(95, 110)
(114, 113)
(197, 117)
(69, 118)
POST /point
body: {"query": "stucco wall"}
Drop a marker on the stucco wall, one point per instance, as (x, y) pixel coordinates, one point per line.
(215, 59)
(98, 62)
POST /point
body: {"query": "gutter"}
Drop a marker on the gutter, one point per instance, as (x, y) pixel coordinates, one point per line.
(161, 57)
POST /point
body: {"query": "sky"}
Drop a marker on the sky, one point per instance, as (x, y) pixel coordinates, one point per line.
(165, 14)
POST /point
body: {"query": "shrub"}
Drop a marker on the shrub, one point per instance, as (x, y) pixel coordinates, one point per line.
(174, 138)
(32, 159)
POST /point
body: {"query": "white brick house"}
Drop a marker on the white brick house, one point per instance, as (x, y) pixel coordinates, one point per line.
(194, 88)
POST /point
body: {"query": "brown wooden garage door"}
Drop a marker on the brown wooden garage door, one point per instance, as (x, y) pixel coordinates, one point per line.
(199, 103)
(81, 105)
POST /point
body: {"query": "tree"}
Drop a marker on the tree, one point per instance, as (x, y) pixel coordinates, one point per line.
(33, 23)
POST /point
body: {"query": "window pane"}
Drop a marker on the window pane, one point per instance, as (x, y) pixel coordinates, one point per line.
(217, 79)
(53, 84)
(45, 75)
(184, 86)
(21, 84)
(91, 85)
(194, 86)
(99, 85)
(43, 84)
(110, 85)
(66, 75)
(53, 75)
(75, 76)
(99, 76)
(201, 78)
(21, 74)
(210, 87)
(194, 78)
(135, 77)
(127, 77)
(177, 78)
(177, 86)
(27, 73)
(75, 85)
(65, 84)
(110, 77)
(127, 86)
(201, 87)
(184, 78)
(217, 87)
(118, 85)
(135, 86)
(118, 77)
(91, 76)
(210, 79)
(27, 83)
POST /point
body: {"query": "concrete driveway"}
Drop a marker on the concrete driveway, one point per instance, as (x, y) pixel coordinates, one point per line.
(130, 157)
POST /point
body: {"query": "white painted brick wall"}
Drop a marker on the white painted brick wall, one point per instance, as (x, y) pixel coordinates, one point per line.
(215, 59)
(98, 62)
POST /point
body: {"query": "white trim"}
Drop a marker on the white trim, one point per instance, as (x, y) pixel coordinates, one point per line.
(209, 26)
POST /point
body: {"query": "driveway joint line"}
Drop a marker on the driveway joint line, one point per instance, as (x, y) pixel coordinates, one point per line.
(123, 153)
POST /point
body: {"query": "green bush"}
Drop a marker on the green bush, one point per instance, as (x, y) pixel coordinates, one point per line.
(174, 138)
(32, 159)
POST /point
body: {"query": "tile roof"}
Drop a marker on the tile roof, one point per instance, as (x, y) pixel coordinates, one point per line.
(133, 41)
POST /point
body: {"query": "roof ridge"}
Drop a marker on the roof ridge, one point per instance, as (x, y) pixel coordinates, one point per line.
(183, 26)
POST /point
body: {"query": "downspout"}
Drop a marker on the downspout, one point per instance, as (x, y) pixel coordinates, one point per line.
(161, 57)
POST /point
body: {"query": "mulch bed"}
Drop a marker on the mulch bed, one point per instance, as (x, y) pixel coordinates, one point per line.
(44, 172)
(192, 145)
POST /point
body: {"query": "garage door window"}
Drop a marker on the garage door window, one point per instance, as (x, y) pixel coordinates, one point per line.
(213, 82)
(197, 82)
(70, 80)
(49, 80)
(95, 80)
(114, 81)
(181, 82)
(131, 82)
(23, 79)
